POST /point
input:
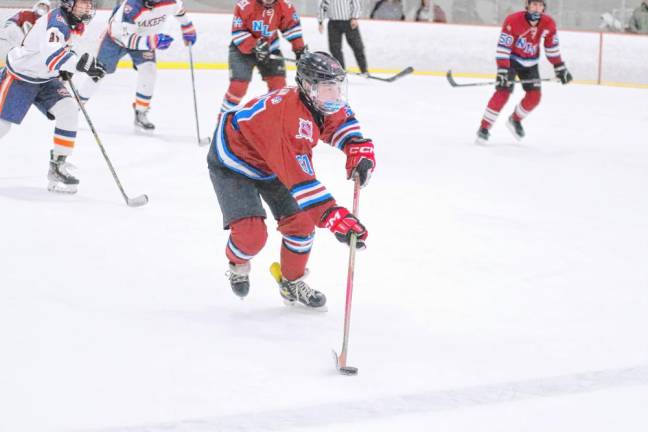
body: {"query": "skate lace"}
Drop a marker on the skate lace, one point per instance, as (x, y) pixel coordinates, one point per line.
(143, 116)
(301, 290)
(235, 277)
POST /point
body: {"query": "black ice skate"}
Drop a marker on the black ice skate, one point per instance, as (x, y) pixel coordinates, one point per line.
(298, 291)
(239, 277)
(60, 180)
(141, 120)
(516, 128)
(482, 136)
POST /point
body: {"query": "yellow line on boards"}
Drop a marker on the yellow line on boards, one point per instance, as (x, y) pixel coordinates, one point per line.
(223, 66)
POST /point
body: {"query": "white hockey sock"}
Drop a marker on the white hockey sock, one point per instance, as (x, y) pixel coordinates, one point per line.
(85, 85)
(4, 127)
(146, 76)
(66, 113)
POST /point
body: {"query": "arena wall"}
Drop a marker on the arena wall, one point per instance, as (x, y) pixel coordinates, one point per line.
(432, 49)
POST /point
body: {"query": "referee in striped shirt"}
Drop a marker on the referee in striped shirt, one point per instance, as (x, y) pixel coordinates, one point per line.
(343, 19)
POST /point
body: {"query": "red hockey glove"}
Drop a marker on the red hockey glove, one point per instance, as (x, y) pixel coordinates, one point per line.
(360, 159)
(343, 224)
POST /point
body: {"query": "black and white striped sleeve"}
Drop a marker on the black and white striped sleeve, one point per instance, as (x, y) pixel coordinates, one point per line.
(355, 9)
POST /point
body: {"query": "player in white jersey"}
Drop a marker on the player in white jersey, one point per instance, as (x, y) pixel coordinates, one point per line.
(31, 77)
(136, 28)
(15, 28)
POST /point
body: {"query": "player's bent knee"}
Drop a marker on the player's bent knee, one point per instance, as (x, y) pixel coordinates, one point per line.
(249, 234)
(65, 110)
(238, 88)
(534, 97)
(276, 82)
(299, 224)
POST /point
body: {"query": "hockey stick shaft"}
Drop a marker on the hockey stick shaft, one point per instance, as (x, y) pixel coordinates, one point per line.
(195, 99)
(286, 59)
(453, 83)
(408, 70)
(342, 359)
(137, 201)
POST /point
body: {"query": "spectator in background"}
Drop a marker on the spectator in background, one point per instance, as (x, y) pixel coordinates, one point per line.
(388, 10)
(639, 19)
(429, 11)
(609, 23)
(343, 19)
(465, 12)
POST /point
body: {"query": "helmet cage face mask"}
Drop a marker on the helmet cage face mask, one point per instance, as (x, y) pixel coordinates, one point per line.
(71, 6)
(328, 96)
(535, 15)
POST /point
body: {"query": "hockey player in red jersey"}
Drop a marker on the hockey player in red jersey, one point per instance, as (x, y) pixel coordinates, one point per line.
(518, 52)
(255, 38)
(13, 30)
(264, 151)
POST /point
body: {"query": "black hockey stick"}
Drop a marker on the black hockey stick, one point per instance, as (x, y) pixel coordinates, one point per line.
(454, 83)
(139, 200)
(408, 70)
(206, 140)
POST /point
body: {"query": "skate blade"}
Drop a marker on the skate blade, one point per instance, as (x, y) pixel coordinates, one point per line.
(61, 188)
(511, 129)
(301, 306)
(481, 141)
(142, 131)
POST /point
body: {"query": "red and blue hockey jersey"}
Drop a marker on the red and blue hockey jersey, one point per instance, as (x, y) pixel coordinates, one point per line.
(272, 136)
(252, 21)
(520, 41)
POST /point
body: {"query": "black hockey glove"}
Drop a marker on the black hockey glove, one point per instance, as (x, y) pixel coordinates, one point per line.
(262, 51)
(502, 79)
(300, 52)
(91, 66)
(562, 73)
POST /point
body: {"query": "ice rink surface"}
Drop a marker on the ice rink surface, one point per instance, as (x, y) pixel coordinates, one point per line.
(504, 287)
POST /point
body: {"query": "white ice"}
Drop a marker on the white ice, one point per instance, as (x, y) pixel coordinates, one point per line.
(504, 288)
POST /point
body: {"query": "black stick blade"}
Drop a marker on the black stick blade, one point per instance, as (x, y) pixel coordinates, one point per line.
(451, 80)
(348, 370)
(408, 70)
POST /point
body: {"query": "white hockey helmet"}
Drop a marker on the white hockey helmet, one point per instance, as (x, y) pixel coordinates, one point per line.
(42, 7)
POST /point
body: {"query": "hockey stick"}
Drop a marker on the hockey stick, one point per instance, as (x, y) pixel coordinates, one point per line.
(341, 360)
(139, 200)
(206, 140)
(454, 83)
(408, 70)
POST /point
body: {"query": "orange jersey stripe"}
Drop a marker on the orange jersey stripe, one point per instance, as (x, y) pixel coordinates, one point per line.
(63, 142)
(56, 60)
(4, 89)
